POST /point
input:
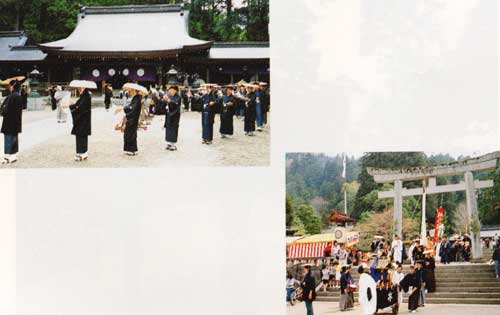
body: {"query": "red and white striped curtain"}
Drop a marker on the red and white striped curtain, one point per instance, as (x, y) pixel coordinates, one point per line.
(306, 250)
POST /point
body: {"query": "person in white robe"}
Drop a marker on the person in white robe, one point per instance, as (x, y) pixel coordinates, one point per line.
(63, 100)
(367, 291)
(397, 249)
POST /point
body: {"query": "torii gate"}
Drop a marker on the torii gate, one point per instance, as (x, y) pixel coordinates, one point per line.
(428, 175)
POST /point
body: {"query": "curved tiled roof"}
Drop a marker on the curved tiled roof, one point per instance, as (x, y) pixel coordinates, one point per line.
(129, 31)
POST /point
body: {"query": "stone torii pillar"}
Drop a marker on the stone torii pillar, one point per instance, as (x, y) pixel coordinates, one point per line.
(429, 174)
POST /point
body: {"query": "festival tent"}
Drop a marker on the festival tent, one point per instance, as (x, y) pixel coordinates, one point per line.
(314, 245)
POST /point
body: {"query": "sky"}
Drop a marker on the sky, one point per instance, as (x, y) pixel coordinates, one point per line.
(404, 76)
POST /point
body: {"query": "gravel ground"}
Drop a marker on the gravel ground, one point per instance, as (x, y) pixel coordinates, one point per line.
(46, 144)
(321, 308)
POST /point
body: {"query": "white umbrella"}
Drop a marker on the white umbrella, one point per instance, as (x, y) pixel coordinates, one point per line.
(83, 84)
(137, 87)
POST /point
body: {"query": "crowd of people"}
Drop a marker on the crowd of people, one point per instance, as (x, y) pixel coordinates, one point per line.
(382, 281)
(249, 102)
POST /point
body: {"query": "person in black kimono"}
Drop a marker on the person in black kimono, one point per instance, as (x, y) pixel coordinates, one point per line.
(264, 101)
(308, 289)
(81, 114)
(411, 283)
(12, 111)
(250, 111)
(24, 96)
(172, 117)
(186, 97)
(429, 276)
(420, 272)
(227, 113)
(132, 114)
(108, 94)
(53, 101)
(240, 101)
(208, 115)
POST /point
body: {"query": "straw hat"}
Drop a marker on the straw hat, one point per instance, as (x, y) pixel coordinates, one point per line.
(18, 78)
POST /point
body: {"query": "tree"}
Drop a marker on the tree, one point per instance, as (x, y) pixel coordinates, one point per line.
(310, 218)
(290, 215)
(218, 20)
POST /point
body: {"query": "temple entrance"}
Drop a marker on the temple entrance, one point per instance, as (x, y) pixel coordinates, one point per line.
(428, 176)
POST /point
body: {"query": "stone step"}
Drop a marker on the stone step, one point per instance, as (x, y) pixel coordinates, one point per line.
(430, 300)
(443, 285)
(461, 294)
(468, 289)
(467, 279)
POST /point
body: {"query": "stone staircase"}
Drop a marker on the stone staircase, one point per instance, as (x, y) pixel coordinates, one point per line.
(455, 284)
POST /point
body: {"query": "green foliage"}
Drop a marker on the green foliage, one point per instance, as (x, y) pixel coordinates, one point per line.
(310, 218)
(315, 180)
(218, 20)
(290, 215)
(310, 176)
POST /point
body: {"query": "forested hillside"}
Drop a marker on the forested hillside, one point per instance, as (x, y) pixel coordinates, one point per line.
(219, 20)
(314, 181)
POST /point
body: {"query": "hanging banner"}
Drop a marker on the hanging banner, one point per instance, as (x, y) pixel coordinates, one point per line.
(438, 222)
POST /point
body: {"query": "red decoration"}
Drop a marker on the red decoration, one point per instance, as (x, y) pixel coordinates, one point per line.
(438, 222)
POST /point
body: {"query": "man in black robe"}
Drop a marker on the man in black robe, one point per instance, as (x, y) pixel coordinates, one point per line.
(411, 282)
(12, 111)
(108, 94)
(227, 113)
(250, 111)
(24, 96)
(132, 112)
(429, 276)
(264, 101)
(81, 114)
(172, 117)
(308, 289)
(208, 115)
(53, 101)
(186, 99)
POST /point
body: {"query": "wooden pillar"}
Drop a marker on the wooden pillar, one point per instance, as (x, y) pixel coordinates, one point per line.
(208, 75)
(232, 78)
(398, 208)
(423, 227)
(472, 214)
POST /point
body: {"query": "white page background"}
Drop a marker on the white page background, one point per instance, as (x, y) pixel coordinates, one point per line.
(347, 76)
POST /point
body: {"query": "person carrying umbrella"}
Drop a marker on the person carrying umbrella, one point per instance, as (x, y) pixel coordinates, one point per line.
(11, 110)
(81, 114)
(132, 114)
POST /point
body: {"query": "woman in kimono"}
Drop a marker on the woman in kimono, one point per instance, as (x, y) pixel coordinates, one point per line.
(172, 117)
(132, 113)
(250, 106)
(208, 115)
(227, 113)
(81, 114)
